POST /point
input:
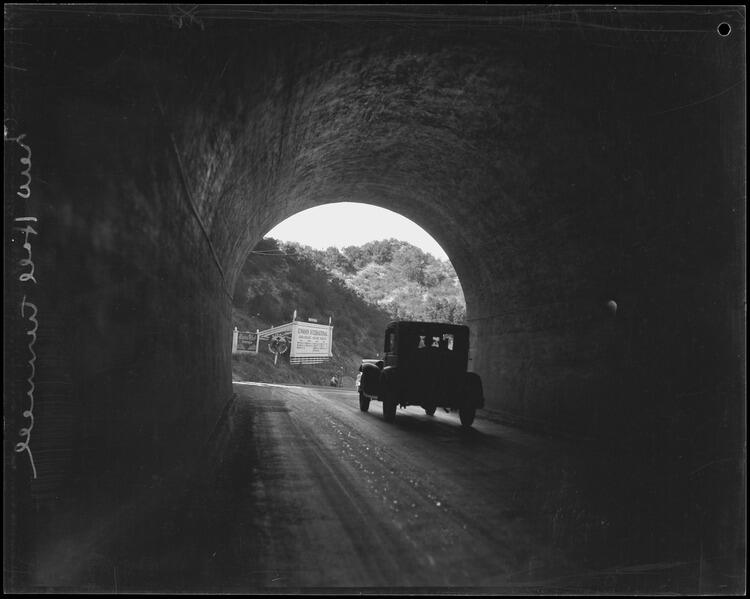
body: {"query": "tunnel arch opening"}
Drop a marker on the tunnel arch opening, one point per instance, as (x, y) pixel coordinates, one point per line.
(391, 267)
(341, 226)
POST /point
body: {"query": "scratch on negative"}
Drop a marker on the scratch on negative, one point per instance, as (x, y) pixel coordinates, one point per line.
(702, 101)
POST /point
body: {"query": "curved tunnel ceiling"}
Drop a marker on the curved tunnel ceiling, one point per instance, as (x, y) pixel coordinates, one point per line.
(454, 136)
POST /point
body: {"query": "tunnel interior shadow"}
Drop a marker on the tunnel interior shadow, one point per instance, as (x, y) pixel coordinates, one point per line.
(431, 428)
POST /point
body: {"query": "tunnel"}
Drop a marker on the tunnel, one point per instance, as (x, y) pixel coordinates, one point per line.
(583, 170)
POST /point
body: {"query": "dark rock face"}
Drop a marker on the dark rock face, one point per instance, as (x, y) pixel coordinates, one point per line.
(559, 169)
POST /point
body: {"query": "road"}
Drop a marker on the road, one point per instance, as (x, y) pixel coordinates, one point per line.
(354, 501)
(313, 494)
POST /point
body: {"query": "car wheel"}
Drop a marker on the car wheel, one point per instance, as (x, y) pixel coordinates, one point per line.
(389, 406)
(467, 416)
(430, 411)
(364, 402)
(389, 410)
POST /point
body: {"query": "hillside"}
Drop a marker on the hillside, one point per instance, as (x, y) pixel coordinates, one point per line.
(360, 288)
(397, 276)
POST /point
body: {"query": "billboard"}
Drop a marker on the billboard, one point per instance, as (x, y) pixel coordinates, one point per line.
(311, 340)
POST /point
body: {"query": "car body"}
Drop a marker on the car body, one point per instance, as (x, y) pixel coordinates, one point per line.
(425, 364)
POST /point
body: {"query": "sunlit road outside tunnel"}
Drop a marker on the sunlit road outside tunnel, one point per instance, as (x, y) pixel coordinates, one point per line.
(312, 493)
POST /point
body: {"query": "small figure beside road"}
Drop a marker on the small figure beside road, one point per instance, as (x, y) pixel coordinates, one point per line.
(334, 381)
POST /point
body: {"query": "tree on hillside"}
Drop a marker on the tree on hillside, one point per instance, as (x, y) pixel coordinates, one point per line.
(382, 251)
(372, 282)
(267, 244)
(411, 262)
(435, 272)
(303, 252)
(357, 256)
(335, 261)
(446, 310)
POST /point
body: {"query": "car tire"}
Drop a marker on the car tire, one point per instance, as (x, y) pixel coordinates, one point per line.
(474, 391)
(364, 402)
(467, 416)
(389, 410)
(389, 405)
(430, 411)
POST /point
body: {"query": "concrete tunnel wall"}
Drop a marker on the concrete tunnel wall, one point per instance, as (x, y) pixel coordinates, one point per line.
(556, 172)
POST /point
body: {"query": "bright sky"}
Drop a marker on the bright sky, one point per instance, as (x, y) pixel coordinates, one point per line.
(350, 223)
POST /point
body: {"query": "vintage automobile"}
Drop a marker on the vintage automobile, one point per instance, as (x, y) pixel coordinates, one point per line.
(425, 365)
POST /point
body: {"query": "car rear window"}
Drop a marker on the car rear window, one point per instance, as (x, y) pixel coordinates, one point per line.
(443, 341)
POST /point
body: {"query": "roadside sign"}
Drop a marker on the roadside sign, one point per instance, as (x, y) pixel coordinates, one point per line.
(245, 342)
(306, 342)
(311, 341)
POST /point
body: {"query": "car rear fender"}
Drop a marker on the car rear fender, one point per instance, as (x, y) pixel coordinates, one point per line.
(370, 382)
(389, 379)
